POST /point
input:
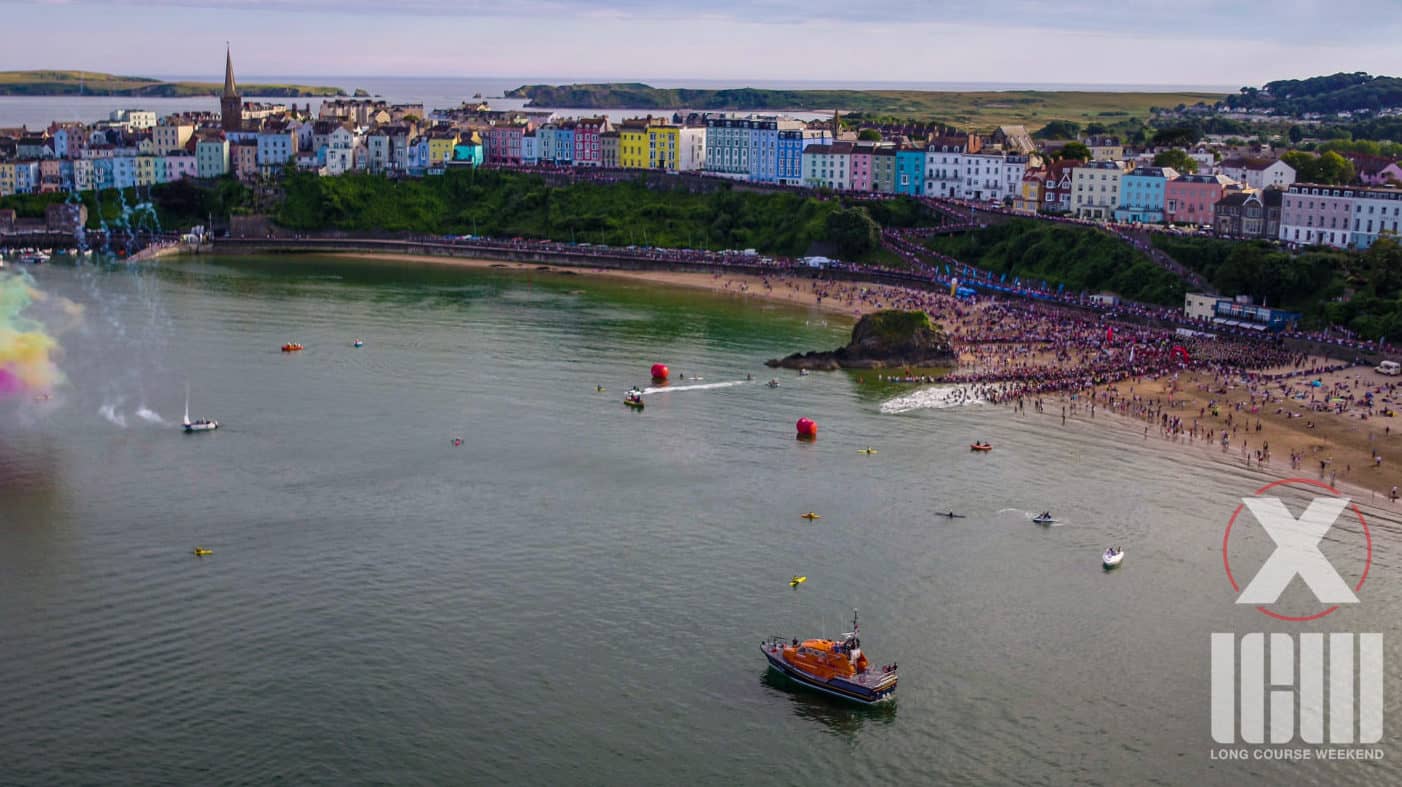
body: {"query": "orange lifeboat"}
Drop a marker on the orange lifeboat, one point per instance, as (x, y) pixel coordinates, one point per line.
(292, 347)
(837, 667)
(980, 447)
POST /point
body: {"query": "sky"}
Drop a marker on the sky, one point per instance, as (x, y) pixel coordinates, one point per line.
(1152, 42)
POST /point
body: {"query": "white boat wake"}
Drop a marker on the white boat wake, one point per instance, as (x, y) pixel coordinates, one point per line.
(938, 397)
(701, 387)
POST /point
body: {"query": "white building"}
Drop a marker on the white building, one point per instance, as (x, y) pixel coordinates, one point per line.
(692, 156)
(1259, 174)
(944, 168)
(1095, 189)
(135, 119)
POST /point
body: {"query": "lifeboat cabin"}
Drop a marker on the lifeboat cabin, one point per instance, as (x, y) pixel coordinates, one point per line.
(838, 668)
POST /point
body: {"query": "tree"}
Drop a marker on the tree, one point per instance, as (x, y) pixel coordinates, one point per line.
(869, 135)
(1177, 159)
(853, 231)
(1335, 170)
(1074, 150)
(1059, 129)
(1178, 136)
(1296, 134)
(1305, 165)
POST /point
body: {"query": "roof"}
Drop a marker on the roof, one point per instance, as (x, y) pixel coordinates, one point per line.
(1250, 164)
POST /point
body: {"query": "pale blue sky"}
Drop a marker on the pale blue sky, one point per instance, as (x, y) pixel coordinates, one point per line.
(1202, 42)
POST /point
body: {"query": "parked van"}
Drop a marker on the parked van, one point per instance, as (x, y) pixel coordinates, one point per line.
(1391, 368)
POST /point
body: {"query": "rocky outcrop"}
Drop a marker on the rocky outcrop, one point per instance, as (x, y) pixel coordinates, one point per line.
(882, 340)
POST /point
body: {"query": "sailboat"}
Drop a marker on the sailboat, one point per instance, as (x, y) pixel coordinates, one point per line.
(202, 425)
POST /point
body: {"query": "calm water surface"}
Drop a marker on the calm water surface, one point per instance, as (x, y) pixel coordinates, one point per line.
(577, 593)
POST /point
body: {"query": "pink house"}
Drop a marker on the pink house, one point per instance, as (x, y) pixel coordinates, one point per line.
(1374, 170)
(504, 144)
(588, 148)
(859, 176)
(243, 159)
(50, 177)
(1188, 199)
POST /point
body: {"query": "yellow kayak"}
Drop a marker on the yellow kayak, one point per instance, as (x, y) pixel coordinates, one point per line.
(866, 450)
(201, 551)
(810, 516)
(796, 581)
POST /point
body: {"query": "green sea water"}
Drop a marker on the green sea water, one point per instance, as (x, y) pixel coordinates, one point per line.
(576, 594)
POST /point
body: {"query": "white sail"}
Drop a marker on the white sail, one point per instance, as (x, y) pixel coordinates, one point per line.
(187, 404)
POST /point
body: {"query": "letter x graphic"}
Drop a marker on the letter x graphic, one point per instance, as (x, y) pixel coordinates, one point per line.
(1296, 551)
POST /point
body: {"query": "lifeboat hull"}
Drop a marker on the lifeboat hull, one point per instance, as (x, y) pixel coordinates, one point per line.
(836, 687)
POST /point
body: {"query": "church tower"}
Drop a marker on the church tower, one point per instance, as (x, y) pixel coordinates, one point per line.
(230, 103)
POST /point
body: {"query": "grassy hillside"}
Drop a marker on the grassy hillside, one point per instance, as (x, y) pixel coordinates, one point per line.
(506, 204)
(1079, 257)
(977, 109)
(72, 83)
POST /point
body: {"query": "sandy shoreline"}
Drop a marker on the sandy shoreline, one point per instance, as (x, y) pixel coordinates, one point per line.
(1346, 443)
(741, 286)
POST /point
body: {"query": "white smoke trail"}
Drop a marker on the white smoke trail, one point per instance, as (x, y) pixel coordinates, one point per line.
(150, 416)
(109, 412)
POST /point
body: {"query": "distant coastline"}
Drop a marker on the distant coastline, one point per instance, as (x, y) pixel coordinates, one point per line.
(92, 83)
(958, 107)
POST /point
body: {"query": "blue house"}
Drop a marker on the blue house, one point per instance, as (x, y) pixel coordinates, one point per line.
(1142, 195)
(910, 171)
(789, 152)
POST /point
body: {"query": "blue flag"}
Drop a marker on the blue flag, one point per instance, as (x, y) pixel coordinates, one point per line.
(1002, 278)
(946, 270)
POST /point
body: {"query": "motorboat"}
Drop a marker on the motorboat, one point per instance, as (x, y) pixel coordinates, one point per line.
(292, 347)
(199, 425)
(1044, 518)
(1112, 557)
(634, 399)
(837, 667)
(980, 446)
(802, 372)
(358, 343)
(773, 383)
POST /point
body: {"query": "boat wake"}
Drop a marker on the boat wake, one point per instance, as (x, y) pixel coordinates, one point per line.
(939, 397)
(701, 387)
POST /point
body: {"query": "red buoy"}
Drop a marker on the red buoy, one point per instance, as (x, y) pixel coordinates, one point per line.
(807, 429)
(660, 371)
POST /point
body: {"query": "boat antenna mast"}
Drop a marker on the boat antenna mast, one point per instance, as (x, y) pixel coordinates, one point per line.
(854, 620)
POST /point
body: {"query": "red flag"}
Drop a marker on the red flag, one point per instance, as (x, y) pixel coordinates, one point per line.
(1110, 334)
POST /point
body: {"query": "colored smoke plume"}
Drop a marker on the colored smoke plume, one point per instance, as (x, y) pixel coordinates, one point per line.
(28, 352)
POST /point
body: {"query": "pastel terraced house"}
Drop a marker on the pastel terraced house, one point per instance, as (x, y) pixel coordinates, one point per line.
(1189, 199)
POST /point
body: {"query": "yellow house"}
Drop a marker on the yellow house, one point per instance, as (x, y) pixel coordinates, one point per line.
(145, 170)
(7, 179)
(633, 144)
(663, 147)
(440, 148)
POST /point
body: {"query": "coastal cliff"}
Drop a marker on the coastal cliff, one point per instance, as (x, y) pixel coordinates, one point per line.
(880, 340)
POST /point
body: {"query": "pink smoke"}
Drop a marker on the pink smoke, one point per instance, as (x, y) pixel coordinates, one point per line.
(10, 384)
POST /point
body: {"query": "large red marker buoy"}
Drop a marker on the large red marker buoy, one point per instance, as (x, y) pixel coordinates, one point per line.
(660, 371)
(807, 429)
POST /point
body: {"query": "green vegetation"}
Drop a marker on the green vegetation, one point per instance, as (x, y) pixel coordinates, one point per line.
(1360, 291)
(971, 109)
(91, 83)
(1329, 168)
(1079, 257)
(1177, 159)
(853, 231)
(507, 204)
(1325, 95)
(1059, 129)
(1073, 151)
(893, 327)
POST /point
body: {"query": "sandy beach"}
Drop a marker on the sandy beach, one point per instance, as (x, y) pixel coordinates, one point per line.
(1285, 428)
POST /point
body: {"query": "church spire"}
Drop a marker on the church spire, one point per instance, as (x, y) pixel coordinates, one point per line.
(230, 89)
